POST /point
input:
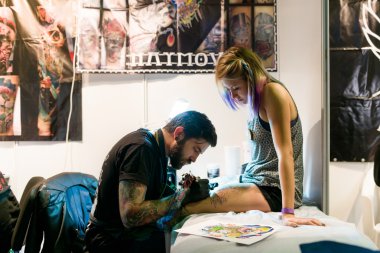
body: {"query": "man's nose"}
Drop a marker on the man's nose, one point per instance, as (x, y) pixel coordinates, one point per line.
(193, 158)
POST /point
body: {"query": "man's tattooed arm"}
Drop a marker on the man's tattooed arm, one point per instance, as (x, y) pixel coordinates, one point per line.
(135, 211)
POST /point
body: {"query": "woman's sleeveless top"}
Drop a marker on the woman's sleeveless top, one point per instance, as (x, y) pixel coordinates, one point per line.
(263, 168)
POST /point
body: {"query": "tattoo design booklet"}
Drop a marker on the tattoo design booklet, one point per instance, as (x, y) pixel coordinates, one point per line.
(234, 232)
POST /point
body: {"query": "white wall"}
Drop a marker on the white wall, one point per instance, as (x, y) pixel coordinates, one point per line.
(300, 48)
(345, 184)
(114, 105)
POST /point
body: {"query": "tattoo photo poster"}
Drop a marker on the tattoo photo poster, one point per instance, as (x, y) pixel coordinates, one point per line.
(37, 71)
(171, 36)
(39, 38)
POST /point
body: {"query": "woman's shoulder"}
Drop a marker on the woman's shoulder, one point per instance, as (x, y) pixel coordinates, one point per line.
(276, 95)
(274, 85)
(275, 89)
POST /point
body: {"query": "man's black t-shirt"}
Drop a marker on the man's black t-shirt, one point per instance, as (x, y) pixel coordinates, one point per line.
(137, 156)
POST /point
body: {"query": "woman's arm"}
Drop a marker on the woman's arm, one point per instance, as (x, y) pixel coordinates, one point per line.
(278, 105)
(279, 110)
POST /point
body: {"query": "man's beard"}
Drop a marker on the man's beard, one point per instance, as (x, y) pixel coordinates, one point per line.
(175, 155)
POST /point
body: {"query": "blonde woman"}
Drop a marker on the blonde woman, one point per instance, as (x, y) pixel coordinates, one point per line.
(272, 180)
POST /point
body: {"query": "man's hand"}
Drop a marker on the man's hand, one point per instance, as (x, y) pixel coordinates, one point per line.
(199, 190)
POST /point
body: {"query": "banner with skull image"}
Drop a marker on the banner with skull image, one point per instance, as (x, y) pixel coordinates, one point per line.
(171, 36)
(37, 71)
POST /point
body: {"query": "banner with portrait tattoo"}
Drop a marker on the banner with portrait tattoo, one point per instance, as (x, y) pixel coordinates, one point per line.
(37, 71)
(171, 36)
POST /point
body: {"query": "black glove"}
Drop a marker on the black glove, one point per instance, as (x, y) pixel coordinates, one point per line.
(199, 190)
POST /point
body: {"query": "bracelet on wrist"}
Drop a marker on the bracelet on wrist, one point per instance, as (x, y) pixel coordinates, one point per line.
(287, 210)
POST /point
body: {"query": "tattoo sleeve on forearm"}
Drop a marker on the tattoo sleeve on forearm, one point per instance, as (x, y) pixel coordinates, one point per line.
(134, 210)
(173, 212)
(177, 200)
(140, 216)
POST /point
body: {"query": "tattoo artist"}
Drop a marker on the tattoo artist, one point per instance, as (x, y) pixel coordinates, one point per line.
(134, 205)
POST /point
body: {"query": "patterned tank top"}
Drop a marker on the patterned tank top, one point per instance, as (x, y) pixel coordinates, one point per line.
(263, 168)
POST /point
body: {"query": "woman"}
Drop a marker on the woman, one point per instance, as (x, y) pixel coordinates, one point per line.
(272, 181)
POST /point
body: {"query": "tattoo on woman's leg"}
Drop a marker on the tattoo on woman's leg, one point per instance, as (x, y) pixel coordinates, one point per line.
(218, 199)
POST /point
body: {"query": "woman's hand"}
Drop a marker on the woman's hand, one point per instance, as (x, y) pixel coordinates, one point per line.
(291, 220)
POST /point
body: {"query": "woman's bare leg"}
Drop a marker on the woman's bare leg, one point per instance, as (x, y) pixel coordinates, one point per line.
(239, 198)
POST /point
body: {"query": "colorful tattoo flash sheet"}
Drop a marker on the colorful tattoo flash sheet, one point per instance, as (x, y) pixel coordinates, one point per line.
(234, 232)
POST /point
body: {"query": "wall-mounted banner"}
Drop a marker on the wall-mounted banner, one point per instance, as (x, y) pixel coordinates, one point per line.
(354, 80)
(171, 36)
(36, 71)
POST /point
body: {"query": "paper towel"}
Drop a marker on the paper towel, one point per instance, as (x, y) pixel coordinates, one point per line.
(232, 160)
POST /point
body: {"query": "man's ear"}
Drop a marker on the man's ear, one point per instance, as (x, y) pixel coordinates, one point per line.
(179, 133)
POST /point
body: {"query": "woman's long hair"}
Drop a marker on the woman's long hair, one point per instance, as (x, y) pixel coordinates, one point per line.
(238, 63)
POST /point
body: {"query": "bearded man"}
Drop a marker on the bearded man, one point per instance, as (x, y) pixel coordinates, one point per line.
(133, 205)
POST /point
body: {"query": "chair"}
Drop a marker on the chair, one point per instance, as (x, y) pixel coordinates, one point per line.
(27, 206)
(59, 214)
(370, 201)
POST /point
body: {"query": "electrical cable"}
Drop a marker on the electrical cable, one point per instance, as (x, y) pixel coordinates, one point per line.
(68, 146)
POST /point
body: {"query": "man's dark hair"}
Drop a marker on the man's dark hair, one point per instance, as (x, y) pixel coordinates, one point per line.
(196, 125)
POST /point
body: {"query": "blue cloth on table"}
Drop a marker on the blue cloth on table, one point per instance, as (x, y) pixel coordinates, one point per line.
(333, 247)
